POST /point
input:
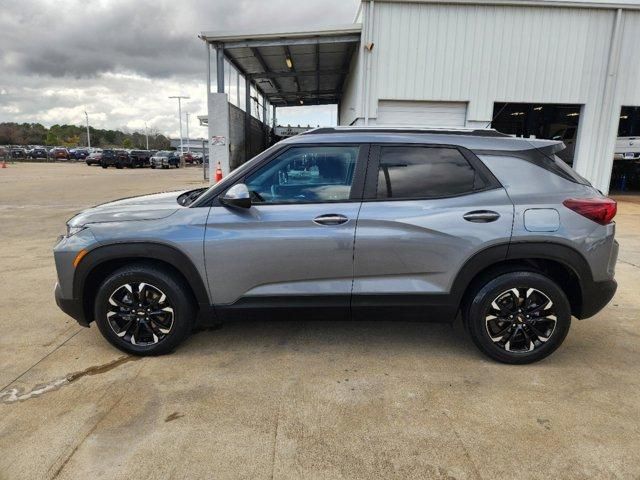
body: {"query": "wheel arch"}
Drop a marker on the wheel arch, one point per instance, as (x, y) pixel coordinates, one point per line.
(103, 260)
(563, 264)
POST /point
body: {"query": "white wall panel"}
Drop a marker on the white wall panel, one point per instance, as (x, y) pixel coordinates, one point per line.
(481, 54)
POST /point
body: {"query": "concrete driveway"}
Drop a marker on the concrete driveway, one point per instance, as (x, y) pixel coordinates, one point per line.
(294, 399)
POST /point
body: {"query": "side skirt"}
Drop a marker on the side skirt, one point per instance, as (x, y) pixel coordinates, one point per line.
(431, 308)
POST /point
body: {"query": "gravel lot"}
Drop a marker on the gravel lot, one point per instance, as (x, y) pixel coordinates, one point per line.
(294, 399)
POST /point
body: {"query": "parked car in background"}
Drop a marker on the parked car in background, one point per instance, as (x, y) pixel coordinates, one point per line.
(352, 223)
(115, 158)
(108, 158)
(59, 153)
(78, 153)
(139, 158)
(18, 152)
(38, 152)
(165, 159)
(188, 158)
(94, 158)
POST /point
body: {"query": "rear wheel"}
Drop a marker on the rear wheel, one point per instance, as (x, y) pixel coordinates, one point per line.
(143, 310)
(519, 317)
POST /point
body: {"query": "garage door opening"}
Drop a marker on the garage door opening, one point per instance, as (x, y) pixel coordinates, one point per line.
(625, 173)
(536, 120)
(418, 113)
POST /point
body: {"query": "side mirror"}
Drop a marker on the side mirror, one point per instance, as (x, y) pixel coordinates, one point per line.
(237, 196)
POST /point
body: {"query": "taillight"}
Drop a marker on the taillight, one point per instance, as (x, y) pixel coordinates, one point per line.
(600, 210)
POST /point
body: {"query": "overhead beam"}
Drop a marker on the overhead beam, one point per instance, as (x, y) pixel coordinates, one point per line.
(307, 73)
(287, 54)
(258, 56)
(277, 42)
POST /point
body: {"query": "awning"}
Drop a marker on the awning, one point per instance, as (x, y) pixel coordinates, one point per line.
(294, 68)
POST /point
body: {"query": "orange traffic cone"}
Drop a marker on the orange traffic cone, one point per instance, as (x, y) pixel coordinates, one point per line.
(218, 172)
(4, 164)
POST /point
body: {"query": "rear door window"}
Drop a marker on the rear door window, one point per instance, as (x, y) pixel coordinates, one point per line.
(415, 172)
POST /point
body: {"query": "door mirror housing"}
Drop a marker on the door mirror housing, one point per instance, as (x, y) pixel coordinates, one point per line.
(237, 196)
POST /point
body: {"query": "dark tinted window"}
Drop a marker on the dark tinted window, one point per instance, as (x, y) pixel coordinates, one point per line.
(305, 174)
(425, 172)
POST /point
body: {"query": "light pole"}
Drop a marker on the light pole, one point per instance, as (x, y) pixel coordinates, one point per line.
(180, 97)
(146, 134)
(88, 136)
(188, 143)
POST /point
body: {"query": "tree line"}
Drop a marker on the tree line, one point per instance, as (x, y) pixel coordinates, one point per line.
(76, 136)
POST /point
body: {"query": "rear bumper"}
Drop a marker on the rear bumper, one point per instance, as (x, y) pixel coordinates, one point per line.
(71, 306)
(596, 296)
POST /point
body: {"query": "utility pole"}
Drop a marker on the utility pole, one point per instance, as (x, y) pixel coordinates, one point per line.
(188, 143)
(146, 134)
(88, 135)
(180, 97)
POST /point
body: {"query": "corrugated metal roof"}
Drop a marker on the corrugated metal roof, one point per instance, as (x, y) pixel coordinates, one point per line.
(292, 68)
(626, 4)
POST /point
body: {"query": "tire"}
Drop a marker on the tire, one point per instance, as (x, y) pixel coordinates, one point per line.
(153, 167)
(177, 165)
(104, 165)
(158, 333)
(528, 332)
(119, 166)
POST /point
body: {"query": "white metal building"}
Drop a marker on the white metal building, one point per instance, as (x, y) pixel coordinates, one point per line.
(449, 63)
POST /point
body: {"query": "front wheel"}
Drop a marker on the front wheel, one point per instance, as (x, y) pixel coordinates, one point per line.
(143, 310)
(519, 317)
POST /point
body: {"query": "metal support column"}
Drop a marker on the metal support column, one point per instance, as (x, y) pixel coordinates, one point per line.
(247, 120)
(220, 67)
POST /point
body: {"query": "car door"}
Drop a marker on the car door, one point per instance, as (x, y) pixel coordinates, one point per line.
(293, 248)
(426, 211)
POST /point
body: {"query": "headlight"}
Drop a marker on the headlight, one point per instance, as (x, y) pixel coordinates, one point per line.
(71, 231)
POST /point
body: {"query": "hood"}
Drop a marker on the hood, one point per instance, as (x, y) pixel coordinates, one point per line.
(145, 207)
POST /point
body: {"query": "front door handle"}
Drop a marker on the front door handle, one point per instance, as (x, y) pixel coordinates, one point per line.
(330, 219)
(481, 216)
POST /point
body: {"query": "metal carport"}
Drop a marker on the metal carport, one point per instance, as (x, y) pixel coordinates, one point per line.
(285, 69)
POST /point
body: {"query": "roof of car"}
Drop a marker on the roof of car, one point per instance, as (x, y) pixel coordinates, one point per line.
(473, 139)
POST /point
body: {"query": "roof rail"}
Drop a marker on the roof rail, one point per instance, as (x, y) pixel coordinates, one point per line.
(478, 132)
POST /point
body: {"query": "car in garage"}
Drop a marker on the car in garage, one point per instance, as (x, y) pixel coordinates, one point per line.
(165, 159)
(627, 148)
(355, 223)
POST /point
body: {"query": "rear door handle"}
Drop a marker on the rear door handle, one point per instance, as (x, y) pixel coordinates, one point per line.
(330, 219)
(481, 216)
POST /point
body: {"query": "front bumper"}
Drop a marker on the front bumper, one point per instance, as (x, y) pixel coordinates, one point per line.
(71, 306)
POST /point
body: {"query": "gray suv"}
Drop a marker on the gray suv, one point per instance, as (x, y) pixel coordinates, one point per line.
(354, 223)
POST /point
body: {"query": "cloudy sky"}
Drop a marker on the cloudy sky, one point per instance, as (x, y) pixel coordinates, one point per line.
(120, 59)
